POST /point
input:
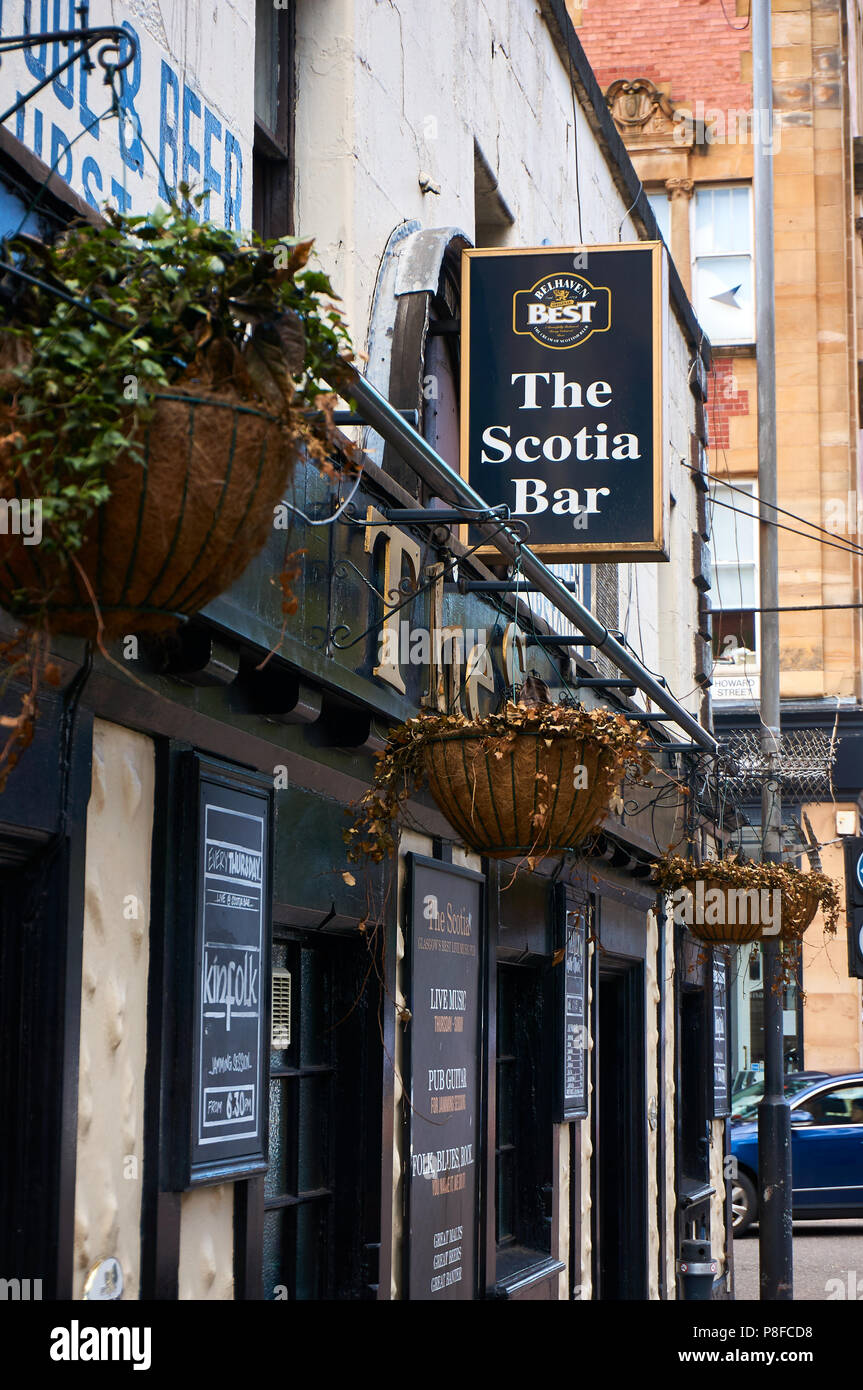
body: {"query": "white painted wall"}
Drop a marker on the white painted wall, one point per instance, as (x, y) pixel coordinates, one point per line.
(389, 93)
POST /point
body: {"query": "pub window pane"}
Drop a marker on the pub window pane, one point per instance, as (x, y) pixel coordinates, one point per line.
(506, 1104)
(276, 1178)
(311, 1229)
(313, 1134)
(267, 64)
(278, 1247)
(505, 1187)
(523, 1100)
(316, 1037)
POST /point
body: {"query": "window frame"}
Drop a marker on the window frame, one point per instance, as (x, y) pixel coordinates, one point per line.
(723, 186)
(747, 666)
(273, 150)
(660, 191)
(828, 1089)
(534, 1148)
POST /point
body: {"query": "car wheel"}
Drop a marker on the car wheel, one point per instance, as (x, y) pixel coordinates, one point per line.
(744, 1204)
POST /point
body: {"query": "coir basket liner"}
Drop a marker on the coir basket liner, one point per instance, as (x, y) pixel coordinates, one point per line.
(523, 795)
(175, 532)
(798, 908)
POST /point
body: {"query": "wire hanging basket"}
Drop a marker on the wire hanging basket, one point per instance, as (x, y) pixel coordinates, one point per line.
(180, 525)
(803, 765)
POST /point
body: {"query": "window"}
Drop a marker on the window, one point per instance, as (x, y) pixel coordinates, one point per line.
(841, 1106)
(272, 178)
(662, 212)
(722, 271)
(321, 1212)
(734, 542)
(523, 1158)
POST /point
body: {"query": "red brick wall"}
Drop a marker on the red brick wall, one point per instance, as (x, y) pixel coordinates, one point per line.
(724, 399)
(686, 42)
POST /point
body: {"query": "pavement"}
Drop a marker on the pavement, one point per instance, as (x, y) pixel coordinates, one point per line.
(828, 1261)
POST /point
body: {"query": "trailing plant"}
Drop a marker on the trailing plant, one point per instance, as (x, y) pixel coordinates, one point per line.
(400, 769)
(126, 313)
(802, 892)
(162, 300)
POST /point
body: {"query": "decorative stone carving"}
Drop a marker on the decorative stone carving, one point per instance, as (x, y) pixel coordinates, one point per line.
(679, 188)
(638, 103)
(645, 116)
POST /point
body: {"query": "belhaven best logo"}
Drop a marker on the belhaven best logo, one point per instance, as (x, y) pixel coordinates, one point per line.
(561, 311)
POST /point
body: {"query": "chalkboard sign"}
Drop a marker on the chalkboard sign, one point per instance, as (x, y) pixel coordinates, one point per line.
(571, 1012)
(721, 1095)
(444, 1049)
(228, 1041)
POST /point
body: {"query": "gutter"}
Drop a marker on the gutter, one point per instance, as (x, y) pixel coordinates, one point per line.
(418, 453)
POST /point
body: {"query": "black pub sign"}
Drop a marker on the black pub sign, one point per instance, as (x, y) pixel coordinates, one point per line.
(227, 1045)
(571, 1010)
(562, 394)
(718, 1004)
(444, 1049)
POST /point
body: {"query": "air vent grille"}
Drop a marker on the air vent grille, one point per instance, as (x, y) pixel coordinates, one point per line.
(280, 1036)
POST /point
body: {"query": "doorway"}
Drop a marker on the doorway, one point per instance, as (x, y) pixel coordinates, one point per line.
(322, 1209)
(619, 1169)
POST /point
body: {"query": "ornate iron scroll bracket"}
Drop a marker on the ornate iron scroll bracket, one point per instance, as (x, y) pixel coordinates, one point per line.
(397, 599)
(111, 37)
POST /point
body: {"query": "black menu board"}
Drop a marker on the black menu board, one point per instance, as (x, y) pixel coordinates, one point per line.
(721, 1094)
(229, 1043)
(444, 1049)
(571, 978)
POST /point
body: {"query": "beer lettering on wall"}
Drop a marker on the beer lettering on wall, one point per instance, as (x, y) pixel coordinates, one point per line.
(562, 394)
(444, 1046)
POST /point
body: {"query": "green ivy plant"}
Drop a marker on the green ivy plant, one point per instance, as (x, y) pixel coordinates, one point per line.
(125, 309)
(160, 301)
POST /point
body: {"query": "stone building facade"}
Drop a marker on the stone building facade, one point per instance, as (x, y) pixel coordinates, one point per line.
(679, 84)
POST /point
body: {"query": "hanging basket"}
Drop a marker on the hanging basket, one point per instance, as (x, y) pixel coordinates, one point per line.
(177, 529)
(535, 796)
(533, 779)
(798, 912)
(733, 902)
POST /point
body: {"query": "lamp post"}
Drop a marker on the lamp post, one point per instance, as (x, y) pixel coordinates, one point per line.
(774, 1120)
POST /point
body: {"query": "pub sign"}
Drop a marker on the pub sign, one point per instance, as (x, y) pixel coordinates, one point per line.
(225, 970)
(443, 1043)
(562, 396)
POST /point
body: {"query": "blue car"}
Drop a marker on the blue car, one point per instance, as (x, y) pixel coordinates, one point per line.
(826, 1154)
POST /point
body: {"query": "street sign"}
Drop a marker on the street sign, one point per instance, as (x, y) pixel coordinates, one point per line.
(562, 397)
(854, 903)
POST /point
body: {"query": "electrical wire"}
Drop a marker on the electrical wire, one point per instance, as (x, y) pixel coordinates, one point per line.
(714, 477)
(847, 549)
(738, 28)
